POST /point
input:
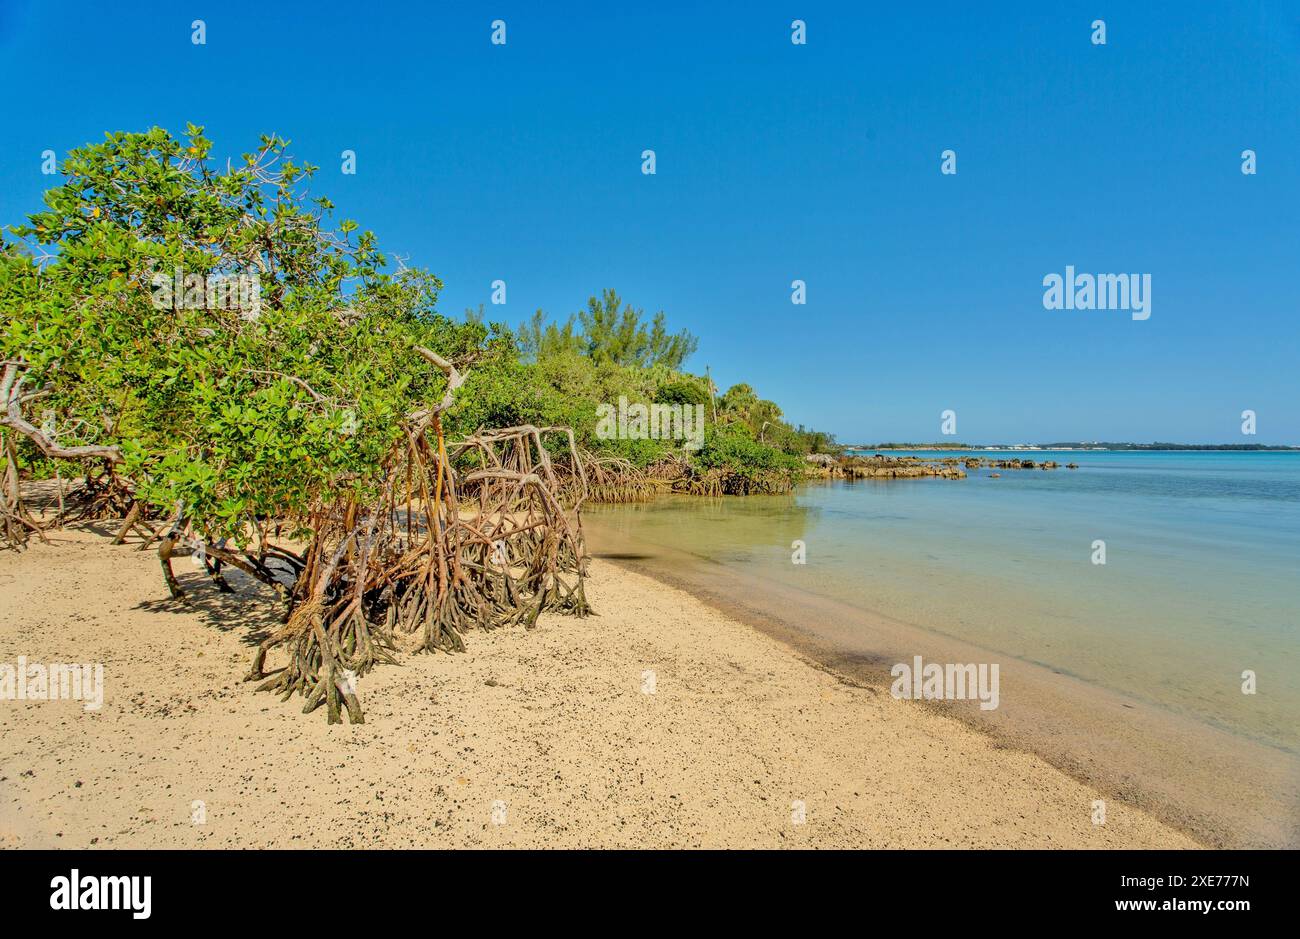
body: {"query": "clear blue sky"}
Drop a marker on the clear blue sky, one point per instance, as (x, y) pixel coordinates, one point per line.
(776, 162)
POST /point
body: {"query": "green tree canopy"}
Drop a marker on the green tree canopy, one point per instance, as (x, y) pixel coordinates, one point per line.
(230, 412)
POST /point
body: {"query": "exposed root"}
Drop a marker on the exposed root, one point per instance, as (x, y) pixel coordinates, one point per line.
(17, 523)
(726, 481)
(613, 479)
(103, 496)
(436, 555)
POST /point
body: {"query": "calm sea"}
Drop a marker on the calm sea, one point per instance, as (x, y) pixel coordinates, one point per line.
(1200, 581)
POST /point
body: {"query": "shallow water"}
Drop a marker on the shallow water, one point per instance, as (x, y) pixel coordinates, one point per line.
(1200, 581)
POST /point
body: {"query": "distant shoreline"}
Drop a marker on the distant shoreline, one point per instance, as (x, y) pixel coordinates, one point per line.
(1067, 448)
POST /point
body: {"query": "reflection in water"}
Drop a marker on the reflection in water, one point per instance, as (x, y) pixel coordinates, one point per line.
(739, 531)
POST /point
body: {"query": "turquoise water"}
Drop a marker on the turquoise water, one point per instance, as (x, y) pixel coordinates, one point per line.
(1200, 581)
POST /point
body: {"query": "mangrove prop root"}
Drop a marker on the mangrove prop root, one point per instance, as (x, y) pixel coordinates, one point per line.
(16, 520)
(488, 536)
(613, 479)
(104, 495)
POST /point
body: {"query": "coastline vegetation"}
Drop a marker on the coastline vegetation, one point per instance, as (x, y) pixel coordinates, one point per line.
(240, 417)
(394, 475)
(1070, 445)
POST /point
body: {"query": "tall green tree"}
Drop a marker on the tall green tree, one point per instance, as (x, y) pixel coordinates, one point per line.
(614, 331)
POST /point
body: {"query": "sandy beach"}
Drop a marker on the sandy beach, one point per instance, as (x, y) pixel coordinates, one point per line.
(1228, 790)
(658, 723)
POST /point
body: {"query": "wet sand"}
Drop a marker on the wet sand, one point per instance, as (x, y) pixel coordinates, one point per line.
(1224, 790)
(661, 722)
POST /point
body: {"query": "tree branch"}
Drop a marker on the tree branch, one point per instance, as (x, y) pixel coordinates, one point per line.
(12, 417)
(454, 380)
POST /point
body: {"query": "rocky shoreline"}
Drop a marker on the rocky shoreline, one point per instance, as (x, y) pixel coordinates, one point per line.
(880, 466)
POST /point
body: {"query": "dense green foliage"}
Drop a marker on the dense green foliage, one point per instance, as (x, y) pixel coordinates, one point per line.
(611, 333)
(237, 413)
